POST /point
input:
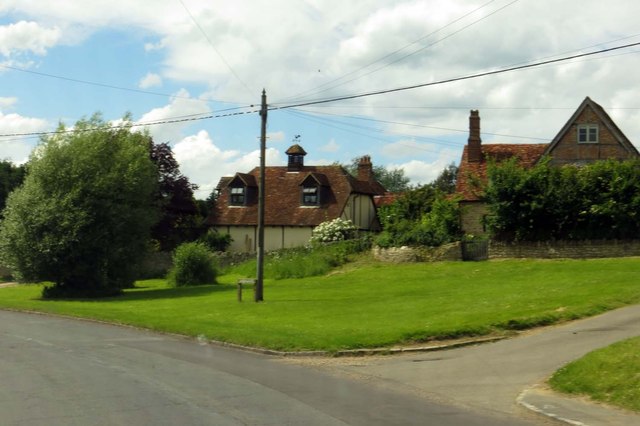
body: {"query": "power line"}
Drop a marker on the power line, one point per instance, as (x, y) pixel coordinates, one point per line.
(406, 47)
(110, 86)
(214, 47)
(422, 126)
(455, 79)
(184, 119)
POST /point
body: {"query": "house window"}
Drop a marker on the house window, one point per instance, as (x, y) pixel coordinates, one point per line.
(588, 133)
(310, 196)
(237, 196)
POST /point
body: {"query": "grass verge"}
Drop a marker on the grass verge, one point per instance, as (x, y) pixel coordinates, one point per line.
(367, 304)
(610, 375)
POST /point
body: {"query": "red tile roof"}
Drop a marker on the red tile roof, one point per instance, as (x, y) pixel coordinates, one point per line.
(283, 197)
(473, 175)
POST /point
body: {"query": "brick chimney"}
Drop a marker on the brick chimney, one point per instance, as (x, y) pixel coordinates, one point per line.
(474, 149)
(365, 169)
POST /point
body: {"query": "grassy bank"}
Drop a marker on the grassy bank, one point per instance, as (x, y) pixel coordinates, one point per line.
(610, 375)
(368, 304)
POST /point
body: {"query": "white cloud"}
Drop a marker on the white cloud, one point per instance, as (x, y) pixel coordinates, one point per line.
(204, 163)
(26, 36)
(275, 136)
(421, 171)
(407, 148)
(7, 102)
(150, 80)
(332, 146)
(181, 106)
(17, 148)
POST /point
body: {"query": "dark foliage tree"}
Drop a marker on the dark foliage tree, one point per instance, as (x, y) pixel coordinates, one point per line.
(394, 180)
(11, 177)
(446, 180)
(180, 219)
(82, 217)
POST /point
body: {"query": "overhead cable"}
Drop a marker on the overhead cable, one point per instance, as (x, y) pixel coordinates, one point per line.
(455, 79)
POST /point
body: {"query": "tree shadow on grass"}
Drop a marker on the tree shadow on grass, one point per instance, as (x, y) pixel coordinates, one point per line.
(139, 293)
(173, 293)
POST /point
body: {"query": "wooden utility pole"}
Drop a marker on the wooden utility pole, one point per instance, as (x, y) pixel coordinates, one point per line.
(261, 197)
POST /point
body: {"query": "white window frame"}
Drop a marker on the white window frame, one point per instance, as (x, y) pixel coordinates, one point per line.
(310, 192)
(588, 133)
(237, 193)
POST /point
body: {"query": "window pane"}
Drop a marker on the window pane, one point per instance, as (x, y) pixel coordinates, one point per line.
(593, 134)
(582, 134)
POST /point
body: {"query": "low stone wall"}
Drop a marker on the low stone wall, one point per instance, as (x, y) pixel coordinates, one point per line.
(564, 249)
(446, 252)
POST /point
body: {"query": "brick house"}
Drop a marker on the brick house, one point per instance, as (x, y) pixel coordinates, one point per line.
(297, 199)
(589, 135)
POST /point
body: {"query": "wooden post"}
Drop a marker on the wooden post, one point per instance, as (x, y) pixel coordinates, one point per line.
(258, 295)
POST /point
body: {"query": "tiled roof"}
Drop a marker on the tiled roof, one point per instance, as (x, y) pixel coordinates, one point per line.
(283, 197)
(386, 199)
(295, 150)
(473, 175)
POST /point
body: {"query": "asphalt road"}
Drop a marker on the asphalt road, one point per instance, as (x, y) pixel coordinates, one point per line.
(56, 371)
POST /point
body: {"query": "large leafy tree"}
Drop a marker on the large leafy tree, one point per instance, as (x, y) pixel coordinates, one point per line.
(11, 176)
(393, 180)
(82, 217)
(180, 220)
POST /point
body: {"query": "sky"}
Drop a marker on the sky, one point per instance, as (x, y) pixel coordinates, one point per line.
(191, 64)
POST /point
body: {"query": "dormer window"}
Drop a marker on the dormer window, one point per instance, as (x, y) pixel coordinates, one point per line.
(310, 196)
(588, 133)
(237, 197)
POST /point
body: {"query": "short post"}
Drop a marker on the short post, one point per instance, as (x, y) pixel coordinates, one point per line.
(245, 281)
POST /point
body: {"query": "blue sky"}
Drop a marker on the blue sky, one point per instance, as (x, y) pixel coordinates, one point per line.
(203, 57)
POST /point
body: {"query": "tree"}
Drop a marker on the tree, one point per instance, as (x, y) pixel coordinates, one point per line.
(82, 217)
(420, 216)
(446, 180)
(595, 201)
(10, 178)
(179, 221)
(393, 180)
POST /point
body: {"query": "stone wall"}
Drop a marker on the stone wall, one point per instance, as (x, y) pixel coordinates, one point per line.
(499, 250)
(564, 249)
(446, 252)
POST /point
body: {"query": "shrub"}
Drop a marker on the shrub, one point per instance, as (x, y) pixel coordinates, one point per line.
(216, 241)
(307, 261)
(334, 230)
(193, 264)
(438, 225)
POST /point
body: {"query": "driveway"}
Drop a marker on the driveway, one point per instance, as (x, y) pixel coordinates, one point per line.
(490, 377)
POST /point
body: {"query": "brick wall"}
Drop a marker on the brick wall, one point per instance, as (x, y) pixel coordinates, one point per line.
(564, 249)
(569, 151)
(472, 216)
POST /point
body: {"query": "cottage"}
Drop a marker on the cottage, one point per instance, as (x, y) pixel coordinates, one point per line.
(297, 199)
(589, 135)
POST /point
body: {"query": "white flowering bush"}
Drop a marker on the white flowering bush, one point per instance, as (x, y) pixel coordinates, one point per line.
(333, 230)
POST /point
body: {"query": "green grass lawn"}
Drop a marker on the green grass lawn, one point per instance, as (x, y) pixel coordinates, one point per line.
(368, 304)
(610, 375)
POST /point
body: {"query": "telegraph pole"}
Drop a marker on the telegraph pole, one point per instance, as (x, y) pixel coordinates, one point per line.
(258, 294)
